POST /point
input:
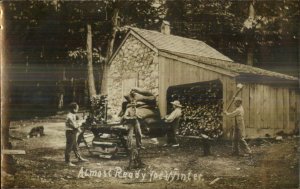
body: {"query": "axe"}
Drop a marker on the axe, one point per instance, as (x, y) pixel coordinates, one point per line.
(239, 87)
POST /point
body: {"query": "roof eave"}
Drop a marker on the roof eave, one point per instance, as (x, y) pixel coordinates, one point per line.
(118, 49)
(239, 76)
(267, 80)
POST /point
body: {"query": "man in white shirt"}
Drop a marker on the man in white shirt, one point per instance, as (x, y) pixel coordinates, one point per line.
(239, 128)
(172, 121)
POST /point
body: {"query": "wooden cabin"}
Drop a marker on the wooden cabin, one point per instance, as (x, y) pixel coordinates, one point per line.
(158, 60)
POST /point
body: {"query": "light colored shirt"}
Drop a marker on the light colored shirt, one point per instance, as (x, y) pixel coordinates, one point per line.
(172, 116)
(130, 113)
(71, 122)
(238, 114)
(239, 111)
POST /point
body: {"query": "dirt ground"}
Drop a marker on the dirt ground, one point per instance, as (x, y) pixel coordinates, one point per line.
(275, 164)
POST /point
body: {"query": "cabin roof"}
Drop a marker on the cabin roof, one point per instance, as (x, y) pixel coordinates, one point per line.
(200, 52)
(179, 44)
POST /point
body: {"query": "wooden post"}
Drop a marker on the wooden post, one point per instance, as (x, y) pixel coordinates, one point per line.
(6, 160)
(5, 89)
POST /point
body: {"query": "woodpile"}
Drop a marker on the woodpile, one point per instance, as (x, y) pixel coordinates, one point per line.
(202, 111)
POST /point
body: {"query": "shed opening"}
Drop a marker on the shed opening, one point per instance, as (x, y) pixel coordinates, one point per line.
(202, 107)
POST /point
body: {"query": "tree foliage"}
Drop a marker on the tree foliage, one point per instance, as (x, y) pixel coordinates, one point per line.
(47, 36)
(226, 26)
(48, 40)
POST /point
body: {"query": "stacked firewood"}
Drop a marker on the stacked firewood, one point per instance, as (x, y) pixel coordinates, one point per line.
(202, 111)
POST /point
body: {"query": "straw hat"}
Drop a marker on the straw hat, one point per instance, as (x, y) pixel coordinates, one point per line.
(237, 99)
(176, 103)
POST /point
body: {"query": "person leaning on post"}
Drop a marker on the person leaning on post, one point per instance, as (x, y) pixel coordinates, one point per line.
(239, 128)
(72, 128)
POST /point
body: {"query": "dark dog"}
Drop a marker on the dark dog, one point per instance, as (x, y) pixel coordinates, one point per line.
(36, 132)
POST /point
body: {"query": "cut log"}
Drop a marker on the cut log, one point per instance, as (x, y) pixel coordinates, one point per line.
(13, 152)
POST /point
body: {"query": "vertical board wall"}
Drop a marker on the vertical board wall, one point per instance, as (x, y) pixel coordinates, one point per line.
(268, 109)
(173, 72)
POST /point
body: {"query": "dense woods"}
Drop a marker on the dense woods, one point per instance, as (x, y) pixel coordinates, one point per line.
(50, 41)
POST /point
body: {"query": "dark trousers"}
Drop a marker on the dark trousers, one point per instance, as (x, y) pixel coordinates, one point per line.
(134, 127)
(81, 139)
(171, 133)
(71, 144)
(238, 140)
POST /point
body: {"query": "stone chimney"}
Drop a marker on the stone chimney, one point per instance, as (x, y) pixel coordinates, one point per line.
(165, 28)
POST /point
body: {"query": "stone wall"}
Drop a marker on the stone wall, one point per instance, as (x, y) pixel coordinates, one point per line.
(134, 60)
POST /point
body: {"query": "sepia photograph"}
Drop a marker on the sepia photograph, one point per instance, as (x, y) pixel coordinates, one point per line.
(158, 94)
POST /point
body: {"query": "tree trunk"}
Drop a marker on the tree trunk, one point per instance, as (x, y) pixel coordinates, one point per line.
(5, 93)
(250, 36)
(109, 52)
(73, 89)
(4, 84)
(250, 54)
(86, 93)
(298, 63)
(90, 72)
(100, 75)
(104, 89)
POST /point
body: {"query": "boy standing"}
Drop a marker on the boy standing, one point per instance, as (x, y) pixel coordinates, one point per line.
(72, 128)
(129, 117)
(239, 127)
